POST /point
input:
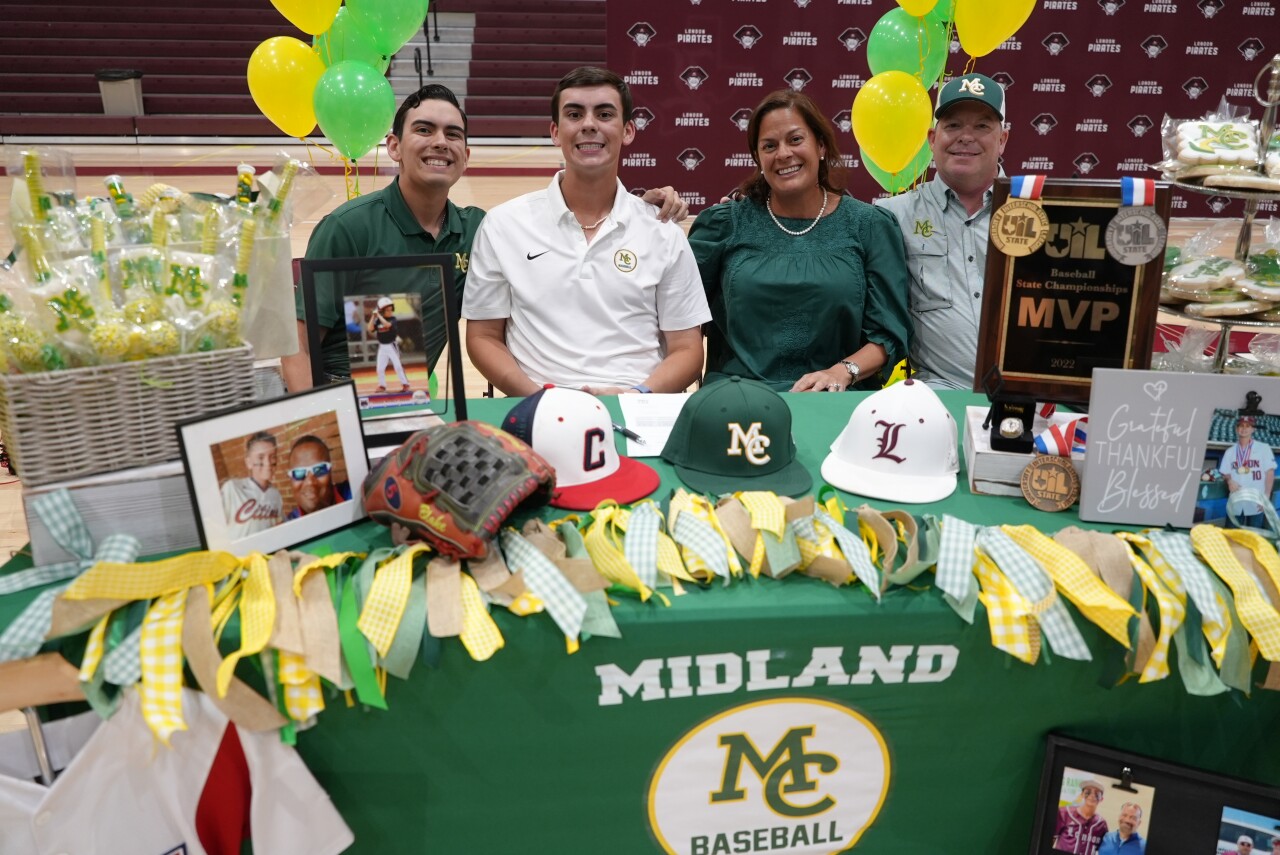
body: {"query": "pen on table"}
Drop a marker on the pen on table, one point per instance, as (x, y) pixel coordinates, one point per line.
(628, 433)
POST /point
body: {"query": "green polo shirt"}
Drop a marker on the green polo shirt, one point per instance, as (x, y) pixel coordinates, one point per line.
(376, 225)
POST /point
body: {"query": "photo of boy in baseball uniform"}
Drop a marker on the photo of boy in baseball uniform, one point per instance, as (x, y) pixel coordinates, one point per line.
(252, 504)
(382, 326)
(1249, 464)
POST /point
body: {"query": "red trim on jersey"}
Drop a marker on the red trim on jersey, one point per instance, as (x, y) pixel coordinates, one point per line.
(222, 813)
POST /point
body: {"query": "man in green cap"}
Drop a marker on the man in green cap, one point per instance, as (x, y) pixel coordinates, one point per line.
(945, 224)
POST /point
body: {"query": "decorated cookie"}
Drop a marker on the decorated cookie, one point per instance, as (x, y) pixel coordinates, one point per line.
(1205, 274)
(1244, 181)
(1234, 309)
(1229, 143)
(1198, 295)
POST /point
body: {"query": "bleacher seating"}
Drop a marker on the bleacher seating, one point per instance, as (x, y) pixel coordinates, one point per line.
(193, 58)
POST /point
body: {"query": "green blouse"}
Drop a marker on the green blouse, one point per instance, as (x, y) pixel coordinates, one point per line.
(783, 306)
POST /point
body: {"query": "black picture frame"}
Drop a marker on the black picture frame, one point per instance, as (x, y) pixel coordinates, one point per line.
(439, 264)
(1187, 810)
(329, 413)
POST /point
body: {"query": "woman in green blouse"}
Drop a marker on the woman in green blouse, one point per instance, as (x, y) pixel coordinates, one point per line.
(807, 286)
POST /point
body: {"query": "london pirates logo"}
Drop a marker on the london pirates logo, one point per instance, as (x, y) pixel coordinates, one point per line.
(1153, 46)
(642, 117)
(853, 38)
(1044, 123)
(750, 443)
(748, 36)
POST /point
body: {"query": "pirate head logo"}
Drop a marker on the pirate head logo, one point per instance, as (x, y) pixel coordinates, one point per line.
(1209, 8)
(1111, 6)
(690, 158)
(1055, 43)
(853, 38)
(695, 2)
(1085, 163)
(1140, 125)
(954, 47)
(693, 77)
(1004, 78)
(741, 119)
(1154, 46)
(1098, 85)
(1250, 48)
(1044, 123)
(1195, 87)
(798, 78)
(641, 33)
(748, 36)
(803, 4)
(843, 121)
(1217, 204)
(642, 117)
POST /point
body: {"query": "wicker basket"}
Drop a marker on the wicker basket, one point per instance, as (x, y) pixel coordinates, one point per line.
(83, 421)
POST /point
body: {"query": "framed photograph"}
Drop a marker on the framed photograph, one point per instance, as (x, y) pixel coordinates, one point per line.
(1096, 800)
(1069, 306)
(1178, 449)
(270, 476)
(389, 326)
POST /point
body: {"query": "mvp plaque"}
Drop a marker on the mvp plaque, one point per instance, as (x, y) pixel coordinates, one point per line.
(1084, 296)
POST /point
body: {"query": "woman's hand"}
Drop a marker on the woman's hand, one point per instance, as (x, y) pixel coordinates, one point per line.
(828, 380)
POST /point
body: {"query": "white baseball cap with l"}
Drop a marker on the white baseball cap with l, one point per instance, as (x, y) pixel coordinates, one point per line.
(900, 444)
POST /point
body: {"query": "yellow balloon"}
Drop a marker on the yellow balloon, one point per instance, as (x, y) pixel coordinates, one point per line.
(282, 74)
(917, 8)
(313, 17)
(891, 118)
(983, 25)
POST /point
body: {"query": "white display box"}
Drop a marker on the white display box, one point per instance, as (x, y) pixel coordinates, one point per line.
(999, 473)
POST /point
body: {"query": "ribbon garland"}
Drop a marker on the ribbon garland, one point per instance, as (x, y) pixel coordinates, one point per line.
(353, 626)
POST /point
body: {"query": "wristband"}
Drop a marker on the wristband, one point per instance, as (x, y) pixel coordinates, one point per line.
(641, 388)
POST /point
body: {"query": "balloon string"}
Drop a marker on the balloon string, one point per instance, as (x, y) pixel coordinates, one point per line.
(346, 176)
(968, 66)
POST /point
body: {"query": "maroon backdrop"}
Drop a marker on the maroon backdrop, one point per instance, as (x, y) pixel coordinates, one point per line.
(1089, 81)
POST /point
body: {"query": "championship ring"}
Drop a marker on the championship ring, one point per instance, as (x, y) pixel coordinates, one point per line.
(1011, 428)
(1136, 235)
(1019, 227)
(1050, 483)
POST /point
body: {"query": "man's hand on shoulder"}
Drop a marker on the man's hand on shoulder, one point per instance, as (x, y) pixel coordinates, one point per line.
(671, 208)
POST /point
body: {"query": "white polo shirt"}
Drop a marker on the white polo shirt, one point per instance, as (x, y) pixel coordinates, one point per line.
(583, 313)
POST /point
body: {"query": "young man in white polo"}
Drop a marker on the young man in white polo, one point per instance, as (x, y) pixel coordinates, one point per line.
(579, 284)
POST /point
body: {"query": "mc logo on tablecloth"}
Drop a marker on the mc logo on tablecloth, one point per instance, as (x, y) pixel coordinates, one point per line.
(795, 775)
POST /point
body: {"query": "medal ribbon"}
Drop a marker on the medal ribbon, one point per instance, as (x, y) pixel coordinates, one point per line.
(1026, 186)
(1064, 440)
(1137, 191)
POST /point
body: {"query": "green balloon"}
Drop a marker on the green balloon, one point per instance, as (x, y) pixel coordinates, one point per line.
(354, 105)
(345, 40)
(943, 13)
(390, 23)
(900, 42)
(897, 183)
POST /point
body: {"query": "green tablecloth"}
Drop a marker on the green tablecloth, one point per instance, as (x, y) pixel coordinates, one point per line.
(543, 752)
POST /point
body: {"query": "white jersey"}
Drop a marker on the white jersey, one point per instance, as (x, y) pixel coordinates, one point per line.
(125, 793)
(250, 509)
(582, 313)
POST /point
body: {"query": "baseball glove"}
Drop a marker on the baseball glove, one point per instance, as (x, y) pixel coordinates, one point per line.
(453, 485)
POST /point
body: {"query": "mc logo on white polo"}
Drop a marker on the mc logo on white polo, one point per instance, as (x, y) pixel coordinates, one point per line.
(802, 776)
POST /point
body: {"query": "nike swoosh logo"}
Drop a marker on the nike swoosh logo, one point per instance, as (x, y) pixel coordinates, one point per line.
(531, 256)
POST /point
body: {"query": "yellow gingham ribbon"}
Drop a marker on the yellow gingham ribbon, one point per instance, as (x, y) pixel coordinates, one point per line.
(480, 634)
(1077, 582)
(302, 696)
(767, 514)
(1172, 602)
(1261, 548)
(388, 595)
(603, 540)
(328, 562)
(110, 581)
(257, 617)
(1259, 618)
(1008, 613)
(94, 648)
(161, 689)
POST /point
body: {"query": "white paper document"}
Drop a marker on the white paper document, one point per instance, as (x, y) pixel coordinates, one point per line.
(651, 417)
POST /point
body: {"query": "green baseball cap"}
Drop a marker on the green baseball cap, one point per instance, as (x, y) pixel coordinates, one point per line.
(735, 434)
(971, 87)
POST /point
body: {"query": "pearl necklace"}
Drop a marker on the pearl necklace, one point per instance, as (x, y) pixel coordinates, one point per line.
(594, 225)
(768, 203)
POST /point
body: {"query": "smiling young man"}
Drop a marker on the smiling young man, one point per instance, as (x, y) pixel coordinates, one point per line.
(252, 504)
(945, 224)
(580, 285)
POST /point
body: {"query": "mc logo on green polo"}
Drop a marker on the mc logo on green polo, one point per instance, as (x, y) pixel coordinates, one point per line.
(789, 775)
